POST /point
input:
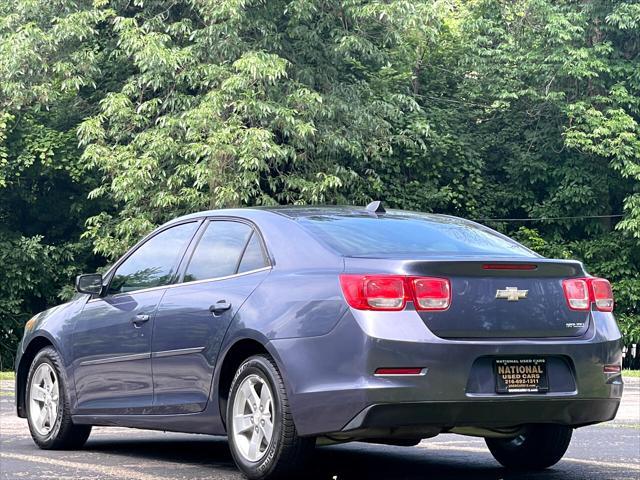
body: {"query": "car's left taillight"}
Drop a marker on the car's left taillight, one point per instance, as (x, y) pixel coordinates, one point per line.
(431, 293)
(392, 292)
(374, 292)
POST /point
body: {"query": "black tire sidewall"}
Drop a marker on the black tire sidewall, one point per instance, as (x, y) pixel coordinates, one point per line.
(257, 365)
(544, 445)
(48, 356)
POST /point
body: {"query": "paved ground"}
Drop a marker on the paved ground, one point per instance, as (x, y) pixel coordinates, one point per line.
(610, 451)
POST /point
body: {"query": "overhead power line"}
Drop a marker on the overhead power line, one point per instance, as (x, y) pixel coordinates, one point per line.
(541, 219)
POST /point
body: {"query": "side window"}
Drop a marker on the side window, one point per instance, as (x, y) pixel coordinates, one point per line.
(154, 262)
(218, 251)
(254, 256)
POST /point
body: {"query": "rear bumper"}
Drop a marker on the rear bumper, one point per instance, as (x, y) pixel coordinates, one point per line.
(486, 414)
(332, 387)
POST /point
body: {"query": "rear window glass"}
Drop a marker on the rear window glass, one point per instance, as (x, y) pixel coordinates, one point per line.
(410, 234)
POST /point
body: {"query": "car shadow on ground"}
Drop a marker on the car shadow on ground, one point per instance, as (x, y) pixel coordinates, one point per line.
(343, 462)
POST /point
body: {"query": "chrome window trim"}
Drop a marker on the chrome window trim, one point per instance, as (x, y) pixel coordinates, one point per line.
(174, 285)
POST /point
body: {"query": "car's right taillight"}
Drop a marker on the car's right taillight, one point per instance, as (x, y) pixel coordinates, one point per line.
(582, 292)
(602, 294)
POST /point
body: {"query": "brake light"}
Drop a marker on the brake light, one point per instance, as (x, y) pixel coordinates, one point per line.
(392, 292)
(602, 294)
(432, 293)
(509, 266)
(384, 293)
(374, 292)
(577, 293)
(582, 292)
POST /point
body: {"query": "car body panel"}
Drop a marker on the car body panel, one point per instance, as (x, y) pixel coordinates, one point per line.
(187, 339)
(328, 352)
(112, 355)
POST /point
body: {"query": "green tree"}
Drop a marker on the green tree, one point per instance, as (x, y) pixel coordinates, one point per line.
(118, 115)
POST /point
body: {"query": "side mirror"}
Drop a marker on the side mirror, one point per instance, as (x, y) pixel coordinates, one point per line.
(89, 283)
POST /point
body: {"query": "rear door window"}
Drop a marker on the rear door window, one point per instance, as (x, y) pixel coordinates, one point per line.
(225, 248)
(254, 256)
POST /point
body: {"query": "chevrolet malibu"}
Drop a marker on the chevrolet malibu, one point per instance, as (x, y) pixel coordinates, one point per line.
(287, 327)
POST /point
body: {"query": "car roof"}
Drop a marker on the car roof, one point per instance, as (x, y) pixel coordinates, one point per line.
(296, 212)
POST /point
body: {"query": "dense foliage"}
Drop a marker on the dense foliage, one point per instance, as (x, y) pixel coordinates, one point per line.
(118, 115)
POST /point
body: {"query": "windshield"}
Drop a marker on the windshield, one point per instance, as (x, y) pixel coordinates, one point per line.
(408, 234)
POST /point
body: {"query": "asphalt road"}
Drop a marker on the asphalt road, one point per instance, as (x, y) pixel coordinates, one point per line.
(609, 451)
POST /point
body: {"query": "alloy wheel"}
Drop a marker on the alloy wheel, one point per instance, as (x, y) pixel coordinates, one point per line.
(253, 417)
(44, 397)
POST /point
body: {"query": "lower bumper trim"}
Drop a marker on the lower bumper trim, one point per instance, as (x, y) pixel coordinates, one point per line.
(488, 414)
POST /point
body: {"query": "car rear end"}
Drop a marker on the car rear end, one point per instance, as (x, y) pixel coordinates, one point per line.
(452, 327)
(490, 359)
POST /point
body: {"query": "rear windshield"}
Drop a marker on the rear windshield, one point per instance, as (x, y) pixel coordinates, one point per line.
(408, 234)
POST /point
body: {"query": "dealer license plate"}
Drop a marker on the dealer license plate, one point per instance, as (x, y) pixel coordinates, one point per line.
(521, 375)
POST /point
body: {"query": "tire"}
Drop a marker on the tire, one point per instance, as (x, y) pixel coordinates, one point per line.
(285, 453)
(59, 433)
(539, 447)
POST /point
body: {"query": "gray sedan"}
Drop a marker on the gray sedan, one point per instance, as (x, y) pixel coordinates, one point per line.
(287, 327)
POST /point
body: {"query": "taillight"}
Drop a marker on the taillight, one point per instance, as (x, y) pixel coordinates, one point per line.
(602, 294)
(384, 293)
(392, 292)
(582, 292)
(374, 292)
(576, 292)
(431, 293)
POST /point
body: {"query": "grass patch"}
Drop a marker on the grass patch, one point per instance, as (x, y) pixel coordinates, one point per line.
(7, 375)
(631, 373)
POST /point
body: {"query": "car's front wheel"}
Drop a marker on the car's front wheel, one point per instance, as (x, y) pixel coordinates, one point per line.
(48, 411)
(536, 448)
(262, 436)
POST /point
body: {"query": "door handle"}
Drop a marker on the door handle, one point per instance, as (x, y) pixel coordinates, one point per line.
(139, 319)
(219, 307)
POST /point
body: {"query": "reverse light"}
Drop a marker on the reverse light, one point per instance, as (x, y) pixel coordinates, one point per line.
(392, 292)
(582, 292)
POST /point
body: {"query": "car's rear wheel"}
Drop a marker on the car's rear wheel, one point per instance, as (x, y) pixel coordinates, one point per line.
(48, 411)
(262, 436)
(538, 447)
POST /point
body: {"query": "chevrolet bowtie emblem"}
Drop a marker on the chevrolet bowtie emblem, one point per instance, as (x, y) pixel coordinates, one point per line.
(511, 294)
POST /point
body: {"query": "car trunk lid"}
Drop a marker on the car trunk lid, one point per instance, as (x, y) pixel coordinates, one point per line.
(494, 298)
